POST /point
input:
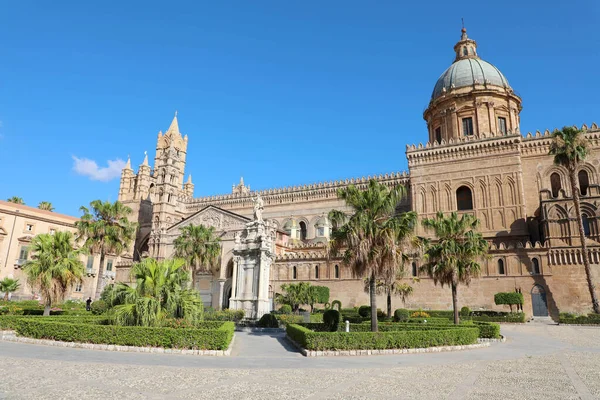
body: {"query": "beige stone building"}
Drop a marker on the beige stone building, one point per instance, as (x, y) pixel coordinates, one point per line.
(18, 225)
(474, 160)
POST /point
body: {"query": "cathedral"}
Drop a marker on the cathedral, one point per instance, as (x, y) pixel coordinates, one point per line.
(475, 160)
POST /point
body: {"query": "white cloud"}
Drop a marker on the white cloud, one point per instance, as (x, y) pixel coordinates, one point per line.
(89, 168)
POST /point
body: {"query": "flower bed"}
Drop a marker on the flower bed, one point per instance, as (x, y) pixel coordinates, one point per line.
(399, 339)
(212, 335)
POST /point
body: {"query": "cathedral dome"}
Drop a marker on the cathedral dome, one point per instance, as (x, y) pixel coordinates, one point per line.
(468, 72)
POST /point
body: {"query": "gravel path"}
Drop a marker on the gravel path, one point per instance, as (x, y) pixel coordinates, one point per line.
(537, 361)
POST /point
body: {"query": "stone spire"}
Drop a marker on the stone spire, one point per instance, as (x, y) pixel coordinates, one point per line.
(189, 178)
(128, 165)
(145, 163)
(465, 47)
(174, 128)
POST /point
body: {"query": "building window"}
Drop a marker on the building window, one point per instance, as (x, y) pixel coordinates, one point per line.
(109, 265)
(535, 266)
(415, 272)
(321, 232)
(302, 230)
(438, 134)
(78, 287)
(29, 227)
(502, 125)
(467, 124)
(501, 270)
(464, 198)
(294, 273)
(316, 272)
(90, 263)
(586, 225)
(584, 182)
(555, 184)
(23, 252)
(465, 51)
(52, 231)
(336, 271)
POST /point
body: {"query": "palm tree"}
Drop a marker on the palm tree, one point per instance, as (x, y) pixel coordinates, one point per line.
(45, 205)
(199, 246)
(159, 293)
(105, 230)
(395, 287)
(372, 239)
(570, 149)
(16, 200)
(9, 285)
(452, 258)
(54, 266)
(295, 295)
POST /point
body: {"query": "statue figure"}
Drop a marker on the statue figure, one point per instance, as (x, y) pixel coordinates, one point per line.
(237, 238)
(258, 208)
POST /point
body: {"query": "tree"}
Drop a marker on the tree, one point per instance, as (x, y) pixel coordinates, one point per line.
(570, 149)
(54, 266)
(160, 292)
(295, 295)
(199, 246)
(452, 258)
(9, 285)
(105, 230)
(372, 239)
(395, 287)
(45, 205)
(16, 200)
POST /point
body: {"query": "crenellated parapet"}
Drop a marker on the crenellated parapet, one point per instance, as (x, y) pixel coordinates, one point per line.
(315, 191)
(460, 148)
(538, 143)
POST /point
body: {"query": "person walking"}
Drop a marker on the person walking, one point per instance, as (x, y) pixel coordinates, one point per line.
(88, 304)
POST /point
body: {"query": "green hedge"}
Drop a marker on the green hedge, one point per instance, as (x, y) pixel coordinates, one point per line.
(206, 339)
(508, 298)
(311, 340)
(488, 330)
(223, 315)
(569, 318)
(322, 294)
(8, 322)
(508, 317)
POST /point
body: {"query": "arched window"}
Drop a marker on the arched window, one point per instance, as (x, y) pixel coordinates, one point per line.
(336, 271)
(501, 270)
(535, 266)
(302, 230)
(316, 272)
(584, 182)
(414, 269)
(294, 272)
(465, 51)
(555, 184)
(169, 198)
(464, 198)
(586, 224)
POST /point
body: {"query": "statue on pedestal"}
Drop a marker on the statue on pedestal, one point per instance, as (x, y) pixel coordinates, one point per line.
(258, 208)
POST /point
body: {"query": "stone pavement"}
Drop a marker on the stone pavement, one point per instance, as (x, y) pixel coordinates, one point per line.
(537, 361)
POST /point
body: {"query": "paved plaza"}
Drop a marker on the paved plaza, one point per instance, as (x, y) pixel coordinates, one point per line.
(538, 361)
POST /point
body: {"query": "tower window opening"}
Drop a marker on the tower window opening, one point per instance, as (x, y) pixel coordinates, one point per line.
(294, 273)
(464, 198)
(336, 271)
(414, 269)
(584, 182)
(535, 266)
(438, 134)
(467, 124)
(302, 230)
(465, 51)
(586, 225)
(316, 272)
(501, 270)
(555, 184)
(502, 125)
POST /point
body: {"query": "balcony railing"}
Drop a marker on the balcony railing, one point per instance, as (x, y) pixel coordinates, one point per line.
(90, 272)
(19, 262)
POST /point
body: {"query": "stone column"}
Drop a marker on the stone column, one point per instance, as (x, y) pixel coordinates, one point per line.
(221, 283)
(234, 277)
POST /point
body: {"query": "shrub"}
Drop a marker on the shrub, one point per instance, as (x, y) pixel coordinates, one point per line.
(338, 303)
(508, 298)
(499, 317)
(428, 320)
(290, 319)
(465, 311)
(488, 330)
(316, 318)
(322, 294)
(569, 318)
(285, 309)
(331, 319)
(224, 315)
(208, 339)
(99, 307)
(420, 314)
(268, 321)
(365, 312)
(401, 315)
(312, 340)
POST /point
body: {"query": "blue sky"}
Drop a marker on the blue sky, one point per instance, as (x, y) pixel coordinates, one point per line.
(281, 92)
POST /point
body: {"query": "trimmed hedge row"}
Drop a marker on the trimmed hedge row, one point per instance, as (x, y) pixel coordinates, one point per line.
(10, 321)
(508, 317)
(205, 339)
(311, 340)
(568, 318)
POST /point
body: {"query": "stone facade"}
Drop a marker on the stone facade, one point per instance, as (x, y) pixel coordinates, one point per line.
(475, 160)
(19, 224)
